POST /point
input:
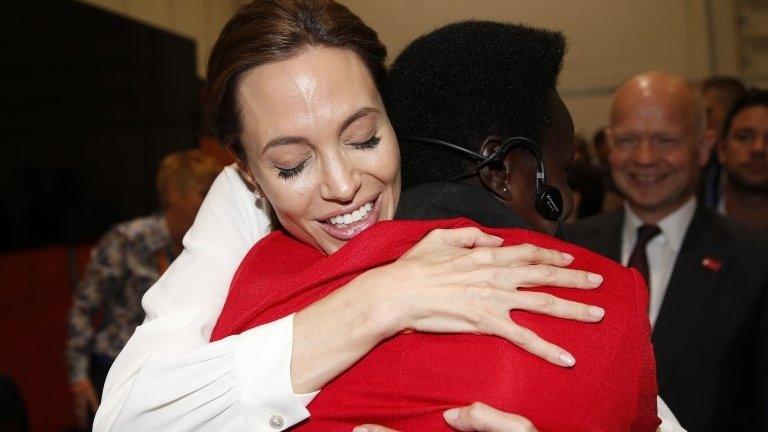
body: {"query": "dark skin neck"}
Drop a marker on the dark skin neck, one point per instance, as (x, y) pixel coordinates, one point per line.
(748, 207)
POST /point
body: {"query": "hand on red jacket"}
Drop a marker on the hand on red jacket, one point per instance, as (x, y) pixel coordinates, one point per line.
(477, 417)
(464, 281)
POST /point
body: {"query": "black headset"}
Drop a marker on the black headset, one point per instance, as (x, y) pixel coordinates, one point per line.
(548, 201)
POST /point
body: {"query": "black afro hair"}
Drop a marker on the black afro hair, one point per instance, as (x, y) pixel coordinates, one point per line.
(466, 81)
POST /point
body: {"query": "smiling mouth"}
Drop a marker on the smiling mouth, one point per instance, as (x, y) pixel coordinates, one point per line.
(346, 226)
(341, 221)
(648, 178)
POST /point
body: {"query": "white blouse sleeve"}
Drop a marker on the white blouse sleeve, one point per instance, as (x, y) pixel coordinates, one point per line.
(169, 377)
(669, 422)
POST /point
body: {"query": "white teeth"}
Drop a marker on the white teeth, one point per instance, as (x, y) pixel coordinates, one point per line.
(346, 219)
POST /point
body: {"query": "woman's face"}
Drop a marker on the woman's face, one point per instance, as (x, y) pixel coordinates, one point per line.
(319, 145)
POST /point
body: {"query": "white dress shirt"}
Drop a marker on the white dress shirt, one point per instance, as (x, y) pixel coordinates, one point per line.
(169, 377)
(661, 251)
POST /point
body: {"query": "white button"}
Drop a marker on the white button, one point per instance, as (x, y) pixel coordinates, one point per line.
(276, 421)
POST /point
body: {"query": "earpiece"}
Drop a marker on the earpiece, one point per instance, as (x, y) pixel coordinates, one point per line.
(548, 201)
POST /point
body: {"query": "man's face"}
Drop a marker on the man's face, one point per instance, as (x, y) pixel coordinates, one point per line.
(744, 153)
(656, 152)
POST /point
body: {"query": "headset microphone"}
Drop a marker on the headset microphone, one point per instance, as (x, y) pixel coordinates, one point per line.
(548, 201)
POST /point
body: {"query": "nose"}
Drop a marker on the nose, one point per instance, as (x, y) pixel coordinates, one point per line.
(645, 153)
(341, 179)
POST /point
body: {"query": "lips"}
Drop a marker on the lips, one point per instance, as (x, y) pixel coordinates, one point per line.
(647, 178)
(347, 225)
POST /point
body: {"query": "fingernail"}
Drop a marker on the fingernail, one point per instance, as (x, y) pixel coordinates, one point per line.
(595, 278)
(360, 429)
(568, 257)
(596, 312)
(451, 415)
(567, 360)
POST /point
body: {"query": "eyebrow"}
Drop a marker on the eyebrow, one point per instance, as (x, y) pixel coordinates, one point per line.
(280, 141)
(358, 115)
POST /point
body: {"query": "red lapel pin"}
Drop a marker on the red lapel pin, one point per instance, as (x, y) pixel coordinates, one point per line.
(711, 264)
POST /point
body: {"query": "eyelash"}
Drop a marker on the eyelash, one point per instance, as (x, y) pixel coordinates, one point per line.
(371, 143)
(286, 173)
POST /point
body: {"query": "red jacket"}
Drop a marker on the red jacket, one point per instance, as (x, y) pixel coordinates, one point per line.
(407, 381)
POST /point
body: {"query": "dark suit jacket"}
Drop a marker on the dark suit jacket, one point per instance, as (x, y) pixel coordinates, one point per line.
(711, 335)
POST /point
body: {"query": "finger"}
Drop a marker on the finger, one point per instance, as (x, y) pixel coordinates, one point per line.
(479, 417)
(547, 304)
(521, 254)
(372, 428)
(544, 275)
(526, 339)
(469, 237)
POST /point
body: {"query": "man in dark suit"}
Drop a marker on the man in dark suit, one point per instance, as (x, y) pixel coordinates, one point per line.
(708, 276)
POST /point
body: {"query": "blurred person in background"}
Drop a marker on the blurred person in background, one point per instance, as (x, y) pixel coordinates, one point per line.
(612, 199)
(585, 181)
(743, 152)
(706, 274)
(124, 264)
(602, 151)
(720, 92)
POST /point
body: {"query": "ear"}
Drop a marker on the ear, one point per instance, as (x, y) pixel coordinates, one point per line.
(706, 143)
(494, 177)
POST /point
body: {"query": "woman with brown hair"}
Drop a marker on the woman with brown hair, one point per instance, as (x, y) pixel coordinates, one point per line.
(293, 92)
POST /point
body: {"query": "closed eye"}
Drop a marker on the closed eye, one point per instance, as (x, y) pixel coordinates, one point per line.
(287, 173)
(371, 143)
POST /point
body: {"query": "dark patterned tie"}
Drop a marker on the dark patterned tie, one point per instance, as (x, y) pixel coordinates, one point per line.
(639, 258)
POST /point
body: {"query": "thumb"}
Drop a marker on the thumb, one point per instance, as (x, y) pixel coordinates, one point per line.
(372, 428)
(480, 417)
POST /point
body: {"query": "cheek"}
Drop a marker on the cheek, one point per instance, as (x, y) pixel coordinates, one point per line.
(384, 163)
(290, 199)
(736, 153)
(617, 158)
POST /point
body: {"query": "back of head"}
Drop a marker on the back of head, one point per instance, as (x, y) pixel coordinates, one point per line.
(466, 81)
(729, 86)
(190, 170)
(720, 92)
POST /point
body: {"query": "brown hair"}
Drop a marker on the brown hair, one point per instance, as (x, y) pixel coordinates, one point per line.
(265, 31)
(186, 170)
